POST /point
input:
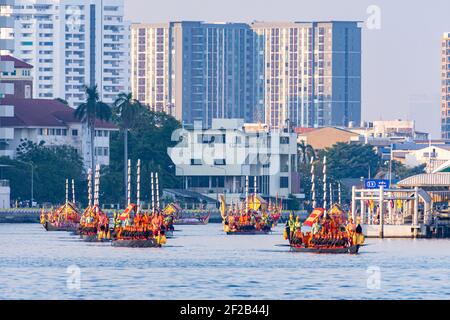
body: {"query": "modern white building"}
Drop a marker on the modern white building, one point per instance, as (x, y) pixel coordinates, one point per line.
(6, 67)
(53, 123)
(217, 160)
(6, 26)
(73, 43)
(433, 156)
(445, 86)
(390, 130)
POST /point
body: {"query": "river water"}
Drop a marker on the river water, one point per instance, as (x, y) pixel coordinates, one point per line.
(204, 263)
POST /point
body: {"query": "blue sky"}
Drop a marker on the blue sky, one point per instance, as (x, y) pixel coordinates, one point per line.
(401, 60)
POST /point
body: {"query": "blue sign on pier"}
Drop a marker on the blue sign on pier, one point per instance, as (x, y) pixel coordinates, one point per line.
(376, 184)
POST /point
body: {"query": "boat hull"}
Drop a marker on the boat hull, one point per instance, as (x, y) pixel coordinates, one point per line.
(93, 238)
(347, 250)
(149, 243)
(191, 221)
(252, 232)
(50, 227)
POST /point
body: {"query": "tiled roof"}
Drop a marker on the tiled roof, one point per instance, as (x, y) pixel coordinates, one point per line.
(17, 63)
(42, 113)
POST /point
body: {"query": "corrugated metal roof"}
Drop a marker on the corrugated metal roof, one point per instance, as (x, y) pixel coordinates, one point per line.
(427, 180)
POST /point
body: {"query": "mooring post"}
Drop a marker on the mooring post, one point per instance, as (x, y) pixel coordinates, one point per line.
(353, 203)
(381, 203)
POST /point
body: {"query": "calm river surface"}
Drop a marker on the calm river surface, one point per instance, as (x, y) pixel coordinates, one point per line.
(203, 263)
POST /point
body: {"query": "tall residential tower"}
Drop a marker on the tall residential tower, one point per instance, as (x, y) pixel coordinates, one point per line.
(304, 73)
(309, 73)
(6, 67)
(194, 70)
(72, 43)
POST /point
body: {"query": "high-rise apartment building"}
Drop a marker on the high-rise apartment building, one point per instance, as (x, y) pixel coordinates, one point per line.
(445, 87)
(194, 70)
(73, 43)
(308, 73)
(6, 45)
(304, 73)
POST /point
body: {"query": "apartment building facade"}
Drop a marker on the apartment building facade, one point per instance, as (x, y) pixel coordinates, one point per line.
(73, 43)
(307, 74)
(193, 70)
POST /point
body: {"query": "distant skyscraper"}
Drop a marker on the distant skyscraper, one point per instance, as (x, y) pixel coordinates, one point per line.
(445, 84)
(310, 73)
(194, 70)
(72, 43)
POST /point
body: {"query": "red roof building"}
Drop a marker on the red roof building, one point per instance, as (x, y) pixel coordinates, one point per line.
(54, 123)
(20, 76)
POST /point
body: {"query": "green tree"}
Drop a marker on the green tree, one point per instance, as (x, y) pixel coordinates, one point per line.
(149, 137)
(305, 152)
(400, 171)
(125, 112)
(89, 112)
(351, 160)
(52, 166)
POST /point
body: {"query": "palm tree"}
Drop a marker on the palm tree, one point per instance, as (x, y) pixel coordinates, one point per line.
(305, 152)
(126, 111)
(90, 111)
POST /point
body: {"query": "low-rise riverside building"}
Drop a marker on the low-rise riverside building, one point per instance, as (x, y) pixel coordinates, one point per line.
(218, 160)
(52, 122)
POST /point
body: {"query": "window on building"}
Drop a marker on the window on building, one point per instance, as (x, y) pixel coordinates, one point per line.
(196, 162)
(284, 182)
(74, 132)
(220, 162)
(284, 140)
